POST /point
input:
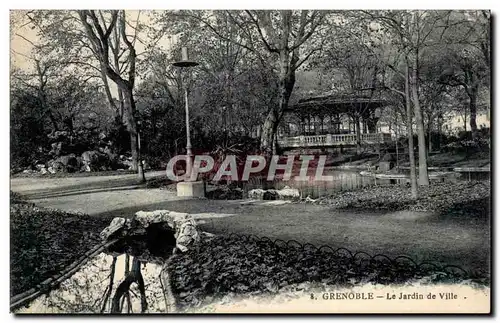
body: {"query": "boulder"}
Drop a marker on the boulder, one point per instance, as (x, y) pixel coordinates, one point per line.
(127, 163)
(67, 163)
(51, 170)
(93, 160)
(182, 225)
(55, 165)
(288, 193)
(115, 225)
(56, 148)
(43, 171)
(271, 195)
(146, 218)
(257, 193)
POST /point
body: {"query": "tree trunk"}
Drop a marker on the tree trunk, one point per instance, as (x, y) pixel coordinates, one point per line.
(267, 134)
(465, 121)
(411, 154)
(358, 134)
(121, 108)
(131, 124)
(473, 110)
(285, 88)
(109, 96)
(423, 177)
(429, 128)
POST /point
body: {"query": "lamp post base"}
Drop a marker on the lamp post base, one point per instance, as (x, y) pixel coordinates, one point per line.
(191, 189)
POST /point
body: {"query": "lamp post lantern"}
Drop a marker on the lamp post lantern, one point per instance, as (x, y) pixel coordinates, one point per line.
(185, 62)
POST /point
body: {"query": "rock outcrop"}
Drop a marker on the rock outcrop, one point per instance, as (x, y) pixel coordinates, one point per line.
(181, 225)
(286, 193)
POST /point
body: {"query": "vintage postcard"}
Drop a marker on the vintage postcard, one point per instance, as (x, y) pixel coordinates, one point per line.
(250, 161)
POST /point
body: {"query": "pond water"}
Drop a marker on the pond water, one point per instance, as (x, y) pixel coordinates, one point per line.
(344, 180)
(93, 289)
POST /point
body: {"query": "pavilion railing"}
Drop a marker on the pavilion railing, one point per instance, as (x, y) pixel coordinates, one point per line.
(333, 140)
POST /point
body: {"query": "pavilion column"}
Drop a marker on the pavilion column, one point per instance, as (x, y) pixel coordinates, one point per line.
(309, 123)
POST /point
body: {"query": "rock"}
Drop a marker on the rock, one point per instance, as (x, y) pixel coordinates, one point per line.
(270, 195)
(43, 171)
(56, 148)
(128, 164)
(52, 170)
(147, 218)
(288, 193)
(94, 160)
(108, 151)
(310, 200)
(181, 226)
(256, 193)
(187, 235)
(39, 167)
(186, 232)
(67, 163)
(115, 225)
(56, 165)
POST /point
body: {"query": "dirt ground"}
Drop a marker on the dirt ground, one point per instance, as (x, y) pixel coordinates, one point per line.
(423, 236)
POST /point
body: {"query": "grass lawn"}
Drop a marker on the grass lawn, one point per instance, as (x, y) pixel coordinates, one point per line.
(425, 236)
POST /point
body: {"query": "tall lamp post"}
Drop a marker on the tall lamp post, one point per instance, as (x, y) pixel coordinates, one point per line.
(140, 165)
(185, 63)
(191, 188)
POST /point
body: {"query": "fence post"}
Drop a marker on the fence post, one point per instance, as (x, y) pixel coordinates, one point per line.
(329, 139)
(302, 140)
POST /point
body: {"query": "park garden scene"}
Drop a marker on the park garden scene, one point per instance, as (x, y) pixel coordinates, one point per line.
(190, 161)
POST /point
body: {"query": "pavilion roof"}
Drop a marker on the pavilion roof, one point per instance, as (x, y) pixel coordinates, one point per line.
(336, 104)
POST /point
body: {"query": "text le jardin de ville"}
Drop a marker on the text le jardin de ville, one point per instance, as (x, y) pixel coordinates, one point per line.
(387, 296)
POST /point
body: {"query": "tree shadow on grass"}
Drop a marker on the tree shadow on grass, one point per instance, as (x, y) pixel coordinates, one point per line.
(478, 210)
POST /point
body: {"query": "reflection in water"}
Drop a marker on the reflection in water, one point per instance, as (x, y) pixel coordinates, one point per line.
(88, 290)
(342, 181)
